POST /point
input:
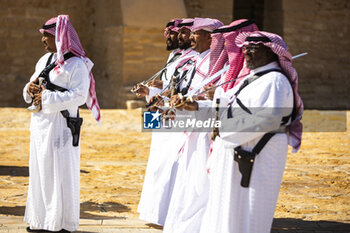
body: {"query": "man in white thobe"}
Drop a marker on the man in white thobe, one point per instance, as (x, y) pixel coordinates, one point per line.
(191, 189)
(54, 165)
(161, 172)
(263, 102)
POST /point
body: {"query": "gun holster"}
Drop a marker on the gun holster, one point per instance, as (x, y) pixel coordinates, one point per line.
(245, 160)
(74, 124)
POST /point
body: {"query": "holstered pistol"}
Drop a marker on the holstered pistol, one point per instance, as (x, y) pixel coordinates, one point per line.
(245, 160)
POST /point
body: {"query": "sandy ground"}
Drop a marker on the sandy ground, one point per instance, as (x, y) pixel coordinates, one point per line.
(114, 158)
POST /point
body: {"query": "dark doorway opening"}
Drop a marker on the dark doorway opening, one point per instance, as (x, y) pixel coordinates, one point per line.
(249, 9)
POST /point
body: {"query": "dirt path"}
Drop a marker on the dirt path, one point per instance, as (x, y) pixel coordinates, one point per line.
(114, 157)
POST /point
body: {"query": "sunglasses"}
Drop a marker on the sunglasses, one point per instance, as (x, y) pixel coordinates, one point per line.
(251, 47)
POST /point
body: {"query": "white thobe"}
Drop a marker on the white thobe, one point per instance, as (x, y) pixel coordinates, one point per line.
(161, 167)
(191, 187)
(232, 208)
(54, 164)
(202, 67)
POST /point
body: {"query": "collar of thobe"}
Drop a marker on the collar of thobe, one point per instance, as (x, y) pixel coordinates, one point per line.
(54, 57)
(270, 66)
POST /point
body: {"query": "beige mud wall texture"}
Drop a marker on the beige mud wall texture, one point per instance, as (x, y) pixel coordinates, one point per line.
(124, 38)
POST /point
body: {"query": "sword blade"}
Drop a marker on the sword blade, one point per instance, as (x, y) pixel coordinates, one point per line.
(299, 55)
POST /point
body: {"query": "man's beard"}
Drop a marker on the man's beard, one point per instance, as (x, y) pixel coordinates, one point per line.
(185, 45)
(171, 45)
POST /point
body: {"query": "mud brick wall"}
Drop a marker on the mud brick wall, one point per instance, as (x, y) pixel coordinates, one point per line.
(124, 38)
(144, 54)
(107, 52)
(216, 9)
(144, 44)
(99, 26)
(321, 28)
(20, 40)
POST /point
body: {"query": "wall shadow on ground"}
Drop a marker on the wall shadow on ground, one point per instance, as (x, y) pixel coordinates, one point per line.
(92, 210)
(154, 226)
(19, 171)
(88, 210)
(13, 210)
(289, 225)
(85, 232)
(14, 171)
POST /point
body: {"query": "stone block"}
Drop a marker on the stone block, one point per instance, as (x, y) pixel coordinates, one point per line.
(131, 30)
(17, 12)
(299, 5)
(154, 31)
(16, 34)
(39, 13)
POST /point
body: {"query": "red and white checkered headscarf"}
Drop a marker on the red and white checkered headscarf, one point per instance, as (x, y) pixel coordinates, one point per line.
(235, 56)
(279, 47)
(172, 26)
(49, 26)
(67, 39)
(218, 53)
